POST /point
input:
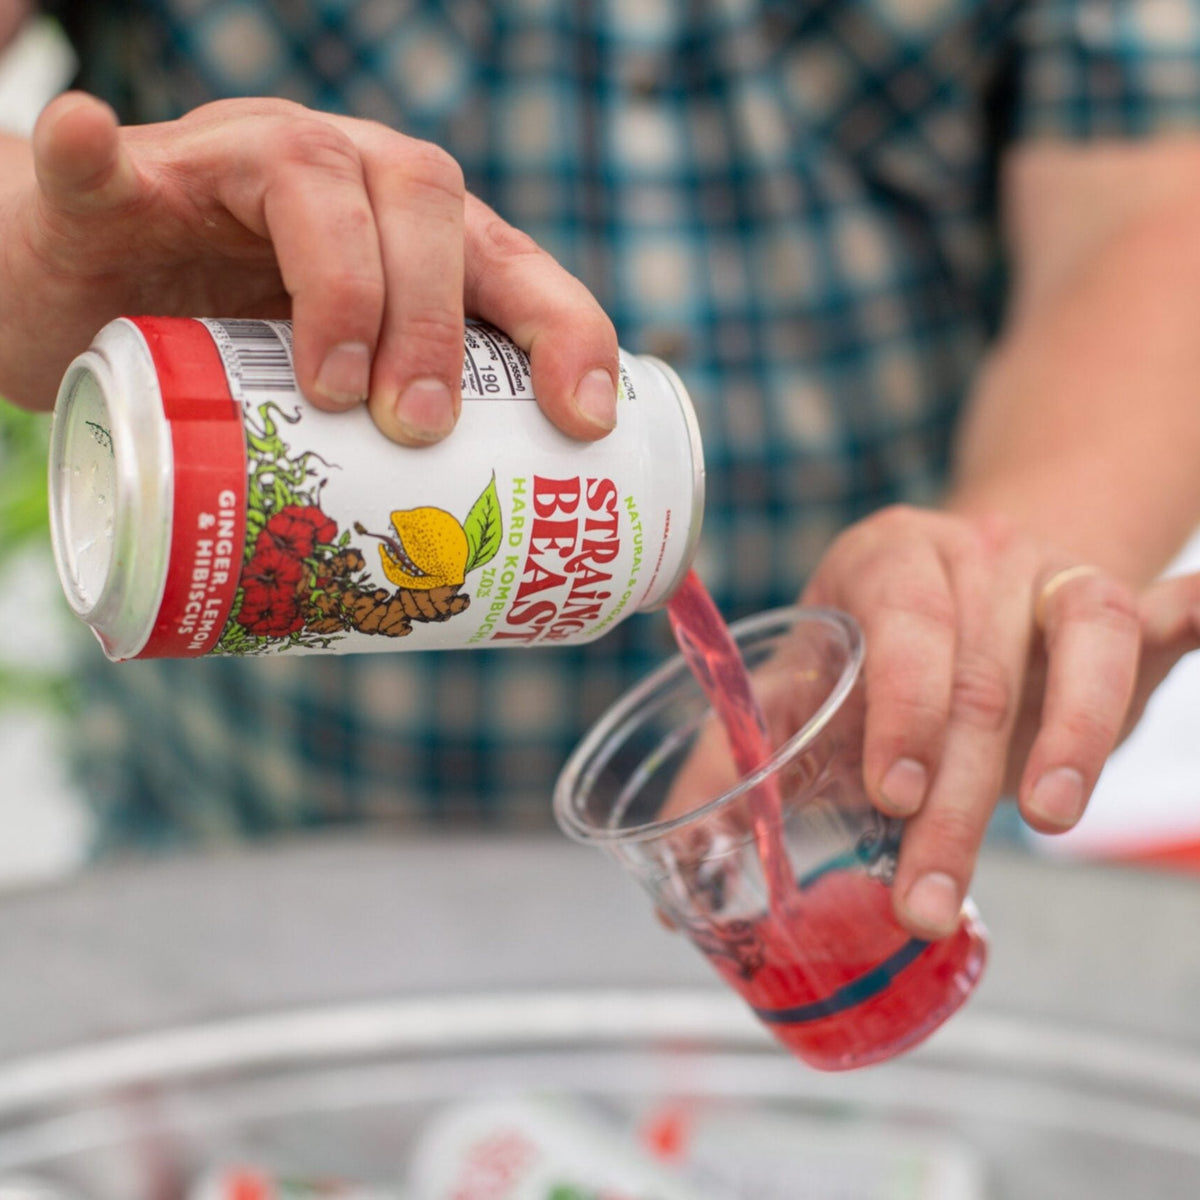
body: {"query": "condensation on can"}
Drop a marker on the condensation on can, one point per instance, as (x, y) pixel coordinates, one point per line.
(199, 506)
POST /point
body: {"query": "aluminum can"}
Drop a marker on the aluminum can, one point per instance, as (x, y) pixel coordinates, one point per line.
(200, 506)
(252, 1183)
(536, 1148)
(751, 1149)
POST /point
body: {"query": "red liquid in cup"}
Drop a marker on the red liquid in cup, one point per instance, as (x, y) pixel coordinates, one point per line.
(827, 969)
(870, 991)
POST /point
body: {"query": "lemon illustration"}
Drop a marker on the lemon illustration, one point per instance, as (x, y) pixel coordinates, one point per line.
(429, 549)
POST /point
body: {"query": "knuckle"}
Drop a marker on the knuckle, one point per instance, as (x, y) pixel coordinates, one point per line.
(500, 240)
(1091, 730)
(894, 519)
(350, 292)
(315, 145)
(913, 713)
(993, 544)
(430, 168)
(981, 697)
(1109, 602)
(591, 326)
(892, 513)
(437, 331)
(955, 831)
(915, 600)
(356, 228)
(996, 535)
(242, 108)
(1098, 601)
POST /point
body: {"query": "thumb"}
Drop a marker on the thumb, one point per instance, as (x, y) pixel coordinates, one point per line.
(81, 164)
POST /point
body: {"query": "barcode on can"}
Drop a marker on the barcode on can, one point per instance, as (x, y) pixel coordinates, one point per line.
(257, 357)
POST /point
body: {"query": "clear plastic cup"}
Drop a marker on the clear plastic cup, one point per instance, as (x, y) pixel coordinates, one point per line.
(781, 876)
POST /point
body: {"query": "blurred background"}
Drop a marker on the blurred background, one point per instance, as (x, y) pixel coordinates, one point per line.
(43, 827)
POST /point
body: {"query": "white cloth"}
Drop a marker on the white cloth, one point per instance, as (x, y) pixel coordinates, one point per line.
(37, 65)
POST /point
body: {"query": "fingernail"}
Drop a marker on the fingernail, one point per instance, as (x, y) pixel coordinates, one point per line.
(345, 376)
(596, 399)
(425, 410)
(904, 785)
(933, 902)
(1057, 798)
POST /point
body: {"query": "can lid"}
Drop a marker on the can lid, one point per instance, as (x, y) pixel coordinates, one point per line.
(109, 502)
(696, 449)
(83, 491)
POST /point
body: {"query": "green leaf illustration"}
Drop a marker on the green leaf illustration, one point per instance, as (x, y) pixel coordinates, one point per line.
(483, 527)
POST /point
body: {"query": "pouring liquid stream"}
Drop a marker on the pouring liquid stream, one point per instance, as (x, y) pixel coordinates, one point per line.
(714, 659)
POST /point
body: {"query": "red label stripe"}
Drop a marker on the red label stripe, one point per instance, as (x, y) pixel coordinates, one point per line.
(208, 526)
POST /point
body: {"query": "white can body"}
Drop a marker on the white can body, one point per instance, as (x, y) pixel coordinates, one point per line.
(199, 505)
(526, 1148)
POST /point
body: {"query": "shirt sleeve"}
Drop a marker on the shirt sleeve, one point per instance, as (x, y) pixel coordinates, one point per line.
(1091, 69)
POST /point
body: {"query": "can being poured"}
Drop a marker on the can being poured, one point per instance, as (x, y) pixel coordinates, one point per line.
(199, 505)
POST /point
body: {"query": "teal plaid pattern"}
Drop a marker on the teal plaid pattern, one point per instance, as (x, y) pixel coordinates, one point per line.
(794, 203)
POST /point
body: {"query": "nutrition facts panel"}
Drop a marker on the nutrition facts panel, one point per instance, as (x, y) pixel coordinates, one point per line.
(493, 367)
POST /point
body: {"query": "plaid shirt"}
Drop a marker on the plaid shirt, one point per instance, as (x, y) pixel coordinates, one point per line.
(792, 202)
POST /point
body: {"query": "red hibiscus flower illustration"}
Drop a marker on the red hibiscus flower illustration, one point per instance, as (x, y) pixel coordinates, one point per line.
(297, 530)
(271, 569)
(271, 612)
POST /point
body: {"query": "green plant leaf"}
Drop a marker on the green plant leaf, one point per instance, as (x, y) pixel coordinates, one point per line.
(483, 527)
(24, 438)
(24, 689)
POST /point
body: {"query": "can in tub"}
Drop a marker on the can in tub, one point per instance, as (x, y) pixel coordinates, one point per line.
(251, 1183)
(536, 1148)
(200, 506)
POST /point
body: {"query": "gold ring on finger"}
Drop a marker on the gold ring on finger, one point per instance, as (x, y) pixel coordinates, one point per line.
(1055, 583)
